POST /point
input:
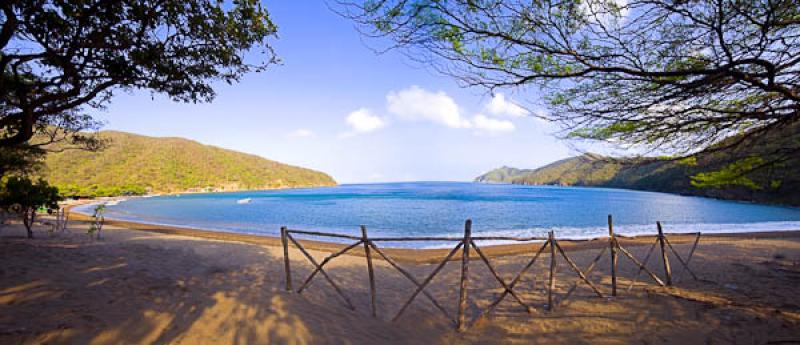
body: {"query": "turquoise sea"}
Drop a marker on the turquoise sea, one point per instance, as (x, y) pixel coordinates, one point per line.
(440, 209)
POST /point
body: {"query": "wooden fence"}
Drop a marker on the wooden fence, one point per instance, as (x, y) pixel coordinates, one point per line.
(466, 244)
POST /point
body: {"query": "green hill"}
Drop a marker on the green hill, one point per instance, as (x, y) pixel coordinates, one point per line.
(503, 174)
(778, 185)
(585, 170)
(136, 164)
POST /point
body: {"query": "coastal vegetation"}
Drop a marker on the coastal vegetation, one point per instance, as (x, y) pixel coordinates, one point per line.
(592, 170)
(24, 197)
(133, 164)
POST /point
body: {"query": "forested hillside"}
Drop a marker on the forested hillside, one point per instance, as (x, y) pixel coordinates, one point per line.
(722, 174)
(136, 164)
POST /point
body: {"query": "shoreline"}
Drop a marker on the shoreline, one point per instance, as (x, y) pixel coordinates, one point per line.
(113, 197)
(431, 255)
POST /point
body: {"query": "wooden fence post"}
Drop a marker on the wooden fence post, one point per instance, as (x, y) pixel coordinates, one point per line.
(612, 241)
(286, 267)
(462, 298)
(552, 285)
(664, 256)
(66, 221)
(369, 269)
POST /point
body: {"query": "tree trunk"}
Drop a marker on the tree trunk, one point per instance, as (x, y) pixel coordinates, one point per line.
(28, 219)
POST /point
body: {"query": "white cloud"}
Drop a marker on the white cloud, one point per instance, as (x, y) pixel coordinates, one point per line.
(362, 120)
(605, 12)
(300, 133)
(484, 123)
(417, 104)
(500, 106)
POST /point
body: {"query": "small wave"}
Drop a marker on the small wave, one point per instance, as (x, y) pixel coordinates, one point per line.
(588, 233)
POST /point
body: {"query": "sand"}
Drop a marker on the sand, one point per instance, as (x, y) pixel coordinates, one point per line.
(182, 286)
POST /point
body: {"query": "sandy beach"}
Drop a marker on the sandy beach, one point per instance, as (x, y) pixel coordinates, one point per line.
(182, 286)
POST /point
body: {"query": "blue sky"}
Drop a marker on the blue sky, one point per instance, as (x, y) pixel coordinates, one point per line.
(337, 106)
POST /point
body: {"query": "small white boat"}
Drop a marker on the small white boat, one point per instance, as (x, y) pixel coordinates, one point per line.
(244, 201)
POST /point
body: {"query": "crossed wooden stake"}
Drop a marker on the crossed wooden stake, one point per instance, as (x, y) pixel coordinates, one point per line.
(663, 241)
(467, 243)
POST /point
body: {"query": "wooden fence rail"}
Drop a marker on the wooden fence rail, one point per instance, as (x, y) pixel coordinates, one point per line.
(469, 243)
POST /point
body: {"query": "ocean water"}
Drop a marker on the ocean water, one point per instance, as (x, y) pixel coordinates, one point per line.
(440, 209)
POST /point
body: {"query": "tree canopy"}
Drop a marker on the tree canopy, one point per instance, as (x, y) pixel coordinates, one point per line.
(61, 57)
(669, 76)
(20, 160)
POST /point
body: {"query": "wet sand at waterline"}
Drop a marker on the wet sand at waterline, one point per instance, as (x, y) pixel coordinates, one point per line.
(182, 286)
